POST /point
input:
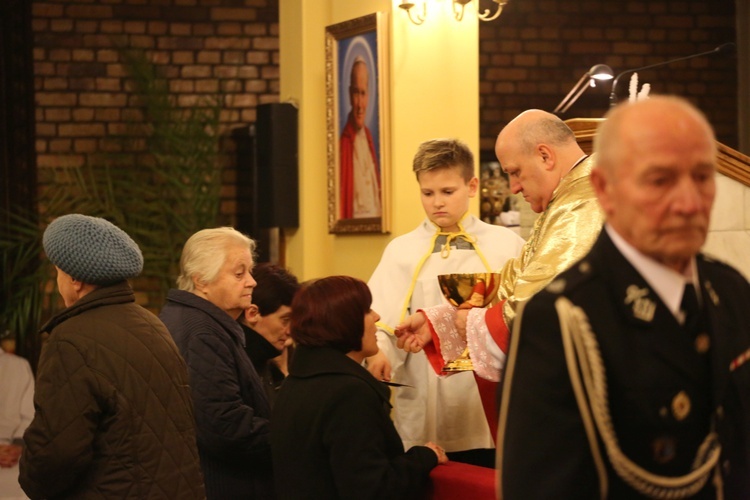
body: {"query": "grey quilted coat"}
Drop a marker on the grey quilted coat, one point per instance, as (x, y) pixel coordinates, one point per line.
(113, 417)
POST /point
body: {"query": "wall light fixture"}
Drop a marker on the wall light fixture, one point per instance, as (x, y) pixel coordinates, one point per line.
(458, 7)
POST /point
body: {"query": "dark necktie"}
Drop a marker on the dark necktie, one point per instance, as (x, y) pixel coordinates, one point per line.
(691, 308)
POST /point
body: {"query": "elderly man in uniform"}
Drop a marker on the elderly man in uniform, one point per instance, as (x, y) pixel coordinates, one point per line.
(627, 377)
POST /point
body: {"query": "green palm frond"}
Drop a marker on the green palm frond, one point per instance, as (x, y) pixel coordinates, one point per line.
(160, 184)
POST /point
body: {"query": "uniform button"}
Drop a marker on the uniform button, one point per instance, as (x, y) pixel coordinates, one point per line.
(681, 406)
(663, 412)
(726, 466)
(720, 413)
(664, 449)
(702, 343)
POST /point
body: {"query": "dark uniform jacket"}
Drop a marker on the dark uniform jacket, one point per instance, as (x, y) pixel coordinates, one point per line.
(231, 410)
(332, 436)
(114, 417)
(664, 396)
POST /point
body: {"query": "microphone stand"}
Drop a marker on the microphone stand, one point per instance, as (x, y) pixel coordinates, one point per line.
(613, 95)
(600, 72)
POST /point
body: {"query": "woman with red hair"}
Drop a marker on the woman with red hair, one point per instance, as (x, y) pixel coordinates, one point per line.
(331, 430)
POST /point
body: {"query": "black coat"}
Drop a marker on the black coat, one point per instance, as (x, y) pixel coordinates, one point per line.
(231, 409)
(261, 353)
(651, 364)
(332, 436)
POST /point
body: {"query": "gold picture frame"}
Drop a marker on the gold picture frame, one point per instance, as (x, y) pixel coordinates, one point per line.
(358, 125)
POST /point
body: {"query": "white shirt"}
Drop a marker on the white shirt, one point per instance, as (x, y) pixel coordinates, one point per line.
(668, 284)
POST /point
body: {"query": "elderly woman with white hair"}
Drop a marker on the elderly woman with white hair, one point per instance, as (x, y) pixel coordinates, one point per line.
(215, 286)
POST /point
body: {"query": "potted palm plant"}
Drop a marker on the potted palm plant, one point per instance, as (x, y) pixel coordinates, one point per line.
(160, 183)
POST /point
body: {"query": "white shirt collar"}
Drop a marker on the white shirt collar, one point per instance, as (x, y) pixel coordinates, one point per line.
(668, 284)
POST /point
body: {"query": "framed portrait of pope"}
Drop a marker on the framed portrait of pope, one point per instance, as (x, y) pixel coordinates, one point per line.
(357, 125)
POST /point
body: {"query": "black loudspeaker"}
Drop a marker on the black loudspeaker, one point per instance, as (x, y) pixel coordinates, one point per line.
(276, 169)
(247, 220)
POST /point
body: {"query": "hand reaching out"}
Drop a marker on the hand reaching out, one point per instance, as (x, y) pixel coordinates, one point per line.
(413, 333)
(9, 454)
(379, 366)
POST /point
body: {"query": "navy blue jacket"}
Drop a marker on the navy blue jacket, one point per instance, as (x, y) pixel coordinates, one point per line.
(231, 409)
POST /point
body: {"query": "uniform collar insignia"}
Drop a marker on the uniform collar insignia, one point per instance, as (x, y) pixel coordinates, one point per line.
(711, 292)
(643, 307)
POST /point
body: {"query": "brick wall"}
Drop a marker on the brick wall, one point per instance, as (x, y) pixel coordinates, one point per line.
(81, 91)
(530, 57)
(538, 49)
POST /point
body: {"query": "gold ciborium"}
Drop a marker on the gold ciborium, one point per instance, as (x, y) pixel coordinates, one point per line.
(465, 291)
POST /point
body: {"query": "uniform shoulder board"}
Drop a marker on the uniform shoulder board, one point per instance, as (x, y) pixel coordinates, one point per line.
(711, 259)
(716, 260)
(578, 273)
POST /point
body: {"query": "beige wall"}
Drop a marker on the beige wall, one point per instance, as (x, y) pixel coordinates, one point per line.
(434, 91)
(729, 232)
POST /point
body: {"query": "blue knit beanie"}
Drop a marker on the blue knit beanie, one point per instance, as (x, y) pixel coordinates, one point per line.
(92, 250)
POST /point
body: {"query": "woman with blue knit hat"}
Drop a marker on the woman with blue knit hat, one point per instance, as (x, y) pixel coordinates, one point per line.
(114, 417)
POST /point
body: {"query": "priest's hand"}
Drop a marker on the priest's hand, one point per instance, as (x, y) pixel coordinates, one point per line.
(413, 333)
(460, 321)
